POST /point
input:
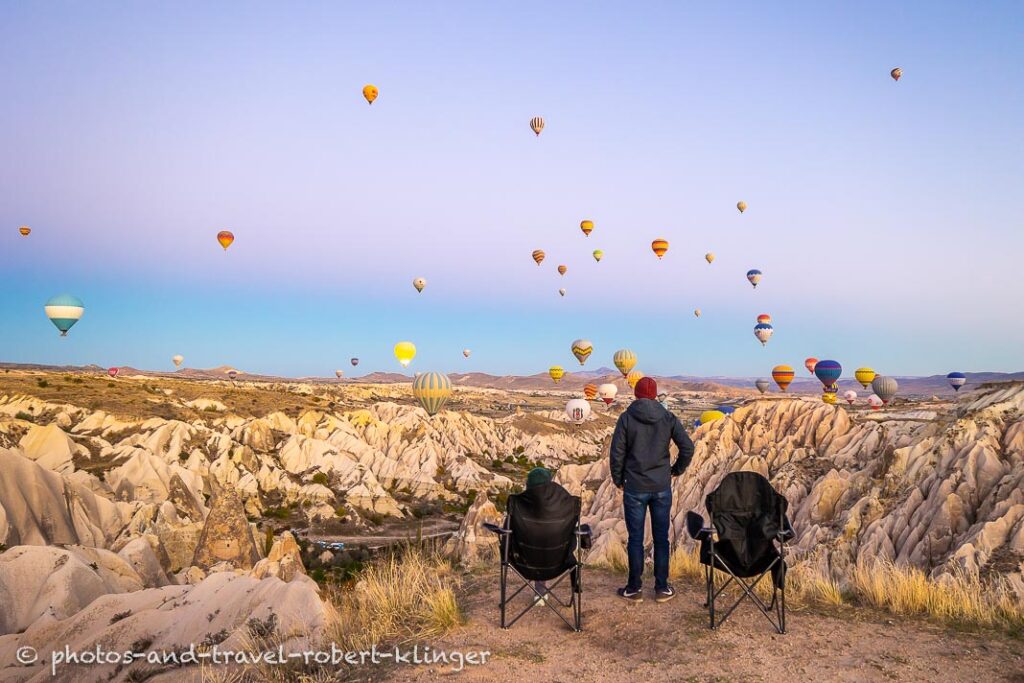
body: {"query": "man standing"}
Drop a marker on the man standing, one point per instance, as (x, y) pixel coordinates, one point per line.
(641, 467)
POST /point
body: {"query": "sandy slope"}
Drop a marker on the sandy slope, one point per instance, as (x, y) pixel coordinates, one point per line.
(671, 642)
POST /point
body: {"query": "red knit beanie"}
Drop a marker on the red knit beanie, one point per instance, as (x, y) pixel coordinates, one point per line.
(646, 388)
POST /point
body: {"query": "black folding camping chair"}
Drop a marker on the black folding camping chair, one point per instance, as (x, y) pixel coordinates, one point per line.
(542, 540)
(746, 539)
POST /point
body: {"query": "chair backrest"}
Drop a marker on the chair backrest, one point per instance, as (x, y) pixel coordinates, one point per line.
(747, 514)
(543, 520)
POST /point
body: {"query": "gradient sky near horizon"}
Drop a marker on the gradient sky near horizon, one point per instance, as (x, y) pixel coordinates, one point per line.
(886, 216)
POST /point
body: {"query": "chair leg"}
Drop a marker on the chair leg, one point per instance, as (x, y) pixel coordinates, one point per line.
(711, 594)
(782, 607)
(504, 580)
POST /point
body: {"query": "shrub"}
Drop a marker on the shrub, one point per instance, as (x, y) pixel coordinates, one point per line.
(321, 478)
(42, 383)
(24, 416)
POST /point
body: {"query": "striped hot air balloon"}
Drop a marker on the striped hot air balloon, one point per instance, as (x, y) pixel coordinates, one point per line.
(828, 372)
(590, 392)
(634, 377)
(432, 390)
(864, 376)
(557, 373)
(659, 247)
(625, 360)
(754, 276)
(896, 73)
(538, 256)
(25, 231)
(884, 387)
(582, 348)
(225, 237)
(587, 227)
(783, 376)
(562, 270)
(762, 385)
(64, 311)
(763, 332)
(537, 124)
(956, 380)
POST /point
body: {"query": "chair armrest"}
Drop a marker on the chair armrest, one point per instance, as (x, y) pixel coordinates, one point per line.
(585, 536)
(584, 530)
(496, 529)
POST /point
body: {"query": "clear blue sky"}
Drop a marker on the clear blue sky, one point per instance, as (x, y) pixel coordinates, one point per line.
(886, 216)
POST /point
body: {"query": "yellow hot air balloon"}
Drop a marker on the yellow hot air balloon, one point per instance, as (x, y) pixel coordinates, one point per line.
(537, 124)
(709, 257)
(659, 247)
(625, 360)
(25, 230)
(709, 416)
(865, 376)
(419, 283)
(587, 227)
(538, 256)
(556, 373)
(432, 390)
(405, 352)
(634, 377)
(582, 348)
(598, 255)
(742, 206)
(829, 398)
(562, 270)
(225, 237)
(370, 92)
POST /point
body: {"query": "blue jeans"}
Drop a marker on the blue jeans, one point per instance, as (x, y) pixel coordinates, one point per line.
(635, 506)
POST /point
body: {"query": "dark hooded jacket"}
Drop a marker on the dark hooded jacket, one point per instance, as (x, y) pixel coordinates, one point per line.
(640, 460)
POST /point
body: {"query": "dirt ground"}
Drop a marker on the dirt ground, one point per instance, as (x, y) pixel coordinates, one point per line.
(671, 642)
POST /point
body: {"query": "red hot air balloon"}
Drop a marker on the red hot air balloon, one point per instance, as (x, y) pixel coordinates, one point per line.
(113, 372)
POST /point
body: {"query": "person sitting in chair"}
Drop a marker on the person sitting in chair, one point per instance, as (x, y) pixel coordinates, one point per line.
(536, 477)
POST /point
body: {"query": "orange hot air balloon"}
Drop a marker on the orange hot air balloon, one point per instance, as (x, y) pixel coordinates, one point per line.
(783, 375)
(590, 392)
(370, 92)
(562, 270)
(538, 256)
(25, 230)
(587, 227)
(810, 363)
(659, 247)
(764, 318)
(225, 237)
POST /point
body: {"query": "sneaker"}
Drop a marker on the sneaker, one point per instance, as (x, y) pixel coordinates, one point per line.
(631, 595)
(665, 594)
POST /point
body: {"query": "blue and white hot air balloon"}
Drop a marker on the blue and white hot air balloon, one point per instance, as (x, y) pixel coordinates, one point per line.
(956, 380)
(64, 311)
(754, 276)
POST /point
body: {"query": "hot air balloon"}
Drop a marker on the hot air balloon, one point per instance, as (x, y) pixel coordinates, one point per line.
(582, 348)
(354, 362)
(537, 124)
(762, 385)
(634, 377)
(587, 227)
(432, 390)
(466, 353)
(783, 376)
(590, 392)
(864, 376)
(538, 256)
(625, 360)
(828, 371)
(709, 416)
(562, 270)
(850, 396)
(763, 332)
(556, 373)
(419, 283)
(810, 363)
(696, 312)
(709, 257)
(829, 398)
(370, 92)
(607, 393)
(884, 387)
(874, 402)
(561, 292)
(726, 410)
(64, 311)
(754, 275)
(742, 206)
(896, 73)
(577, 410)
(113, 371)
(956, 380)
(232, 374)
(764, 318)
(659, 247)
(178, 360)
(25, 230)
(405, 352)
(598, 255)
(339, 373)
(225, 237)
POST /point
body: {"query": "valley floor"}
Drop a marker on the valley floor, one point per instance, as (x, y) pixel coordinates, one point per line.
(671, 642)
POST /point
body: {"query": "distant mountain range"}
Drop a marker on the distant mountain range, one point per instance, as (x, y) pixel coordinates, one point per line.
(572, 381)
